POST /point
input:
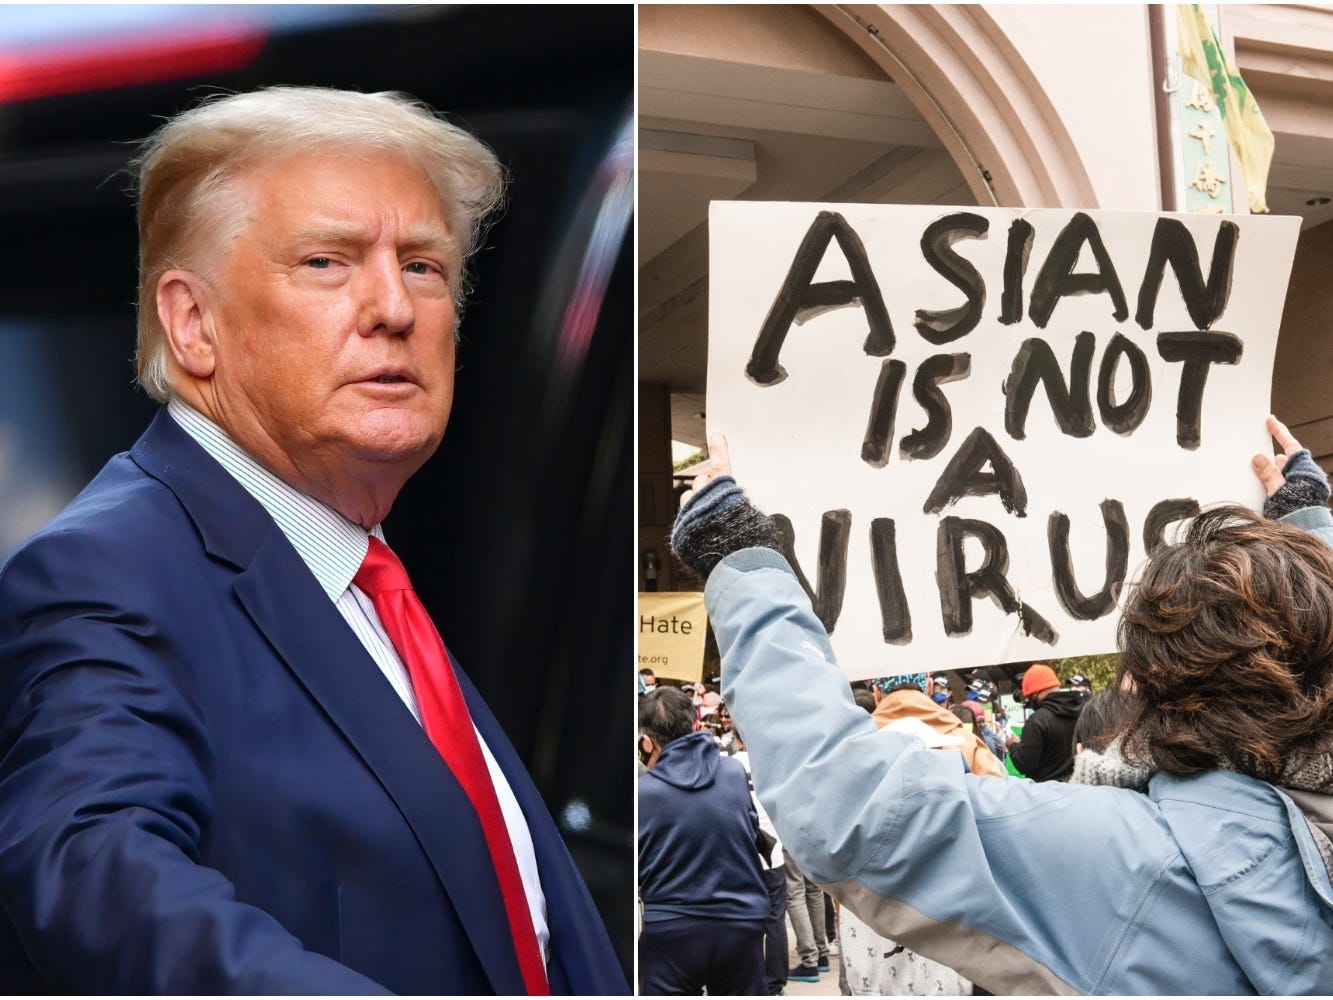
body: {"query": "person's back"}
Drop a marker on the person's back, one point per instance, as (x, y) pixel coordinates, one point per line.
(1168, 895)
(1213, 881)
(697, 853)
(1046, 750)
(703, 893)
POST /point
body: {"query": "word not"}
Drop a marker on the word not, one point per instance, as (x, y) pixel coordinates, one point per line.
(1070, 398)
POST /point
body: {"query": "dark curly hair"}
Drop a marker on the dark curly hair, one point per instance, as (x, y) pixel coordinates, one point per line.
(1228, 639)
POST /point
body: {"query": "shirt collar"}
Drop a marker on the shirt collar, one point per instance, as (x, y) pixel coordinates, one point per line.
(328, 543)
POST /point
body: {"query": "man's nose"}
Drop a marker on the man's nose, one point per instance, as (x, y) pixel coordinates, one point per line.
(386, 305)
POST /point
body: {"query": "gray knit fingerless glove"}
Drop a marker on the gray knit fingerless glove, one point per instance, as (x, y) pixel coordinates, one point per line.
(1306, 485)
(717, 521)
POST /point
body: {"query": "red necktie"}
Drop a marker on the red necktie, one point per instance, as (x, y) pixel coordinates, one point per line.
(445, 717)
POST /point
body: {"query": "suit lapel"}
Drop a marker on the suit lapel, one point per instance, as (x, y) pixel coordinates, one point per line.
(288, 607)
(582, 961)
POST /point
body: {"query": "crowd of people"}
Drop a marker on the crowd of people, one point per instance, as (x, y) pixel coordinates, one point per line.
(1195, 790)
(714, 921)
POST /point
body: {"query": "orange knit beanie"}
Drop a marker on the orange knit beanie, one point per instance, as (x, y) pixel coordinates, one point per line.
(1038, 678)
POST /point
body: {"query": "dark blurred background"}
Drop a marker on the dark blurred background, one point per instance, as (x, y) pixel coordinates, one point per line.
(518, 533)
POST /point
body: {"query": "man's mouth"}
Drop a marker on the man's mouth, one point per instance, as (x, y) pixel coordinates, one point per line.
(389, 375)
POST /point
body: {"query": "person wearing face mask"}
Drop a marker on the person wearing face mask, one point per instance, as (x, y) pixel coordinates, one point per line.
(1045, 752)
(939, 691)
(979, 693)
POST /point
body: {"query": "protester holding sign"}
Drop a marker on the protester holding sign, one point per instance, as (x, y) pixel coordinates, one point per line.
(1213, 881)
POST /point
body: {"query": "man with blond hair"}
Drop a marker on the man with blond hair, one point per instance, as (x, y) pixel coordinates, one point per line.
(235, 755)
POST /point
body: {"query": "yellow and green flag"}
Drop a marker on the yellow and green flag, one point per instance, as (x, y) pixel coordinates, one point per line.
(1250, 137)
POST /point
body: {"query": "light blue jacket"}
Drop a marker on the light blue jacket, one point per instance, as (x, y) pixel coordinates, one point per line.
(1214, 884)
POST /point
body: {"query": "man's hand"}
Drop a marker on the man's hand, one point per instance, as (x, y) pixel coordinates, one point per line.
(1266, 467)
(719, 464)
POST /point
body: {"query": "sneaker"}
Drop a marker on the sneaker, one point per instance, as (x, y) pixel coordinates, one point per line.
(803, 974)
(823, 963)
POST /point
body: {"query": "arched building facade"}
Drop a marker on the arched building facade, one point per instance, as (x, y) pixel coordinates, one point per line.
(1038, 106)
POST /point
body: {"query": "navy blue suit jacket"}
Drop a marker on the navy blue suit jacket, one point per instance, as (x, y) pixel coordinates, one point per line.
(207, 786)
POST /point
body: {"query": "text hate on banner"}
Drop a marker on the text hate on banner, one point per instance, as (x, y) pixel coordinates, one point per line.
(671, 634)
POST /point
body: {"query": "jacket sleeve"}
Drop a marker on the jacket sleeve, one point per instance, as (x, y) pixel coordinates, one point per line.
(1316, 520)
(1026, 753)
(104, 800)
(893, 829)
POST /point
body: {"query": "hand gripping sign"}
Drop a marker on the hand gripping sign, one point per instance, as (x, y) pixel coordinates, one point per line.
(973, 425)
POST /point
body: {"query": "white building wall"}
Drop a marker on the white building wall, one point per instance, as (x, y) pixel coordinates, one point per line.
(1094, 63)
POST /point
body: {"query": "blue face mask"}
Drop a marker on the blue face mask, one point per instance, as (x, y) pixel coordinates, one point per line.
(941, 696)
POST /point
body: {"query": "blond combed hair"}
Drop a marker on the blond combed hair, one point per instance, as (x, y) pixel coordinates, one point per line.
(186, 200)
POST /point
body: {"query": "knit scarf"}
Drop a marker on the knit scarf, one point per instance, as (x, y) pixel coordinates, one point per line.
(1308, 771)
(1109, 767)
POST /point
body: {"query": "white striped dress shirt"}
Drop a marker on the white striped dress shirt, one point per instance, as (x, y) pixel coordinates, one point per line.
(333, 549)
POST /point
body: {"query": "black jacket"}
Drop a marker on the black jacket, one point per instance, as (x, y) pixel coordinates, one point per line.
(1046, 751)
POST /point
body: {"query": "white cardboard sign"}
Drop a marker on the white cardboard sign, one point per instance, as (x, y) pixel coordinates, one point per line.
(974, 423)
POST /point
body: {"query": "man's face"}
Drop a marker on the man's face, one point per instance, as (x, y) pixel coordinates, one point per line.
(334, 317)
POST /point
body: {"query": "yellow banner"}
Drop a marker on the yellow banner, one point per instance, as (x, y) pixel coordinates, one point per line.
(671, 634)
(1251, 139)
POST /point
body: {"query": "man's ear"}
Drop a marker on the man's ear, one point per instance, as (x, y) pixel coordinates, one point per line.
(182, 309)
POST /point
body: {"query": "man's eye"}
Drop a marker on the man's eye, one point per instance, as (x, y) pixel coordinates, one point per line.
(421, 267)
(321, 263)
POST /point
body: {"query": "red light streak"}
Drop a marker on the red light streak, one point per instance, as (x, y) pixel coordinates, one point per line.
(71, 69)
